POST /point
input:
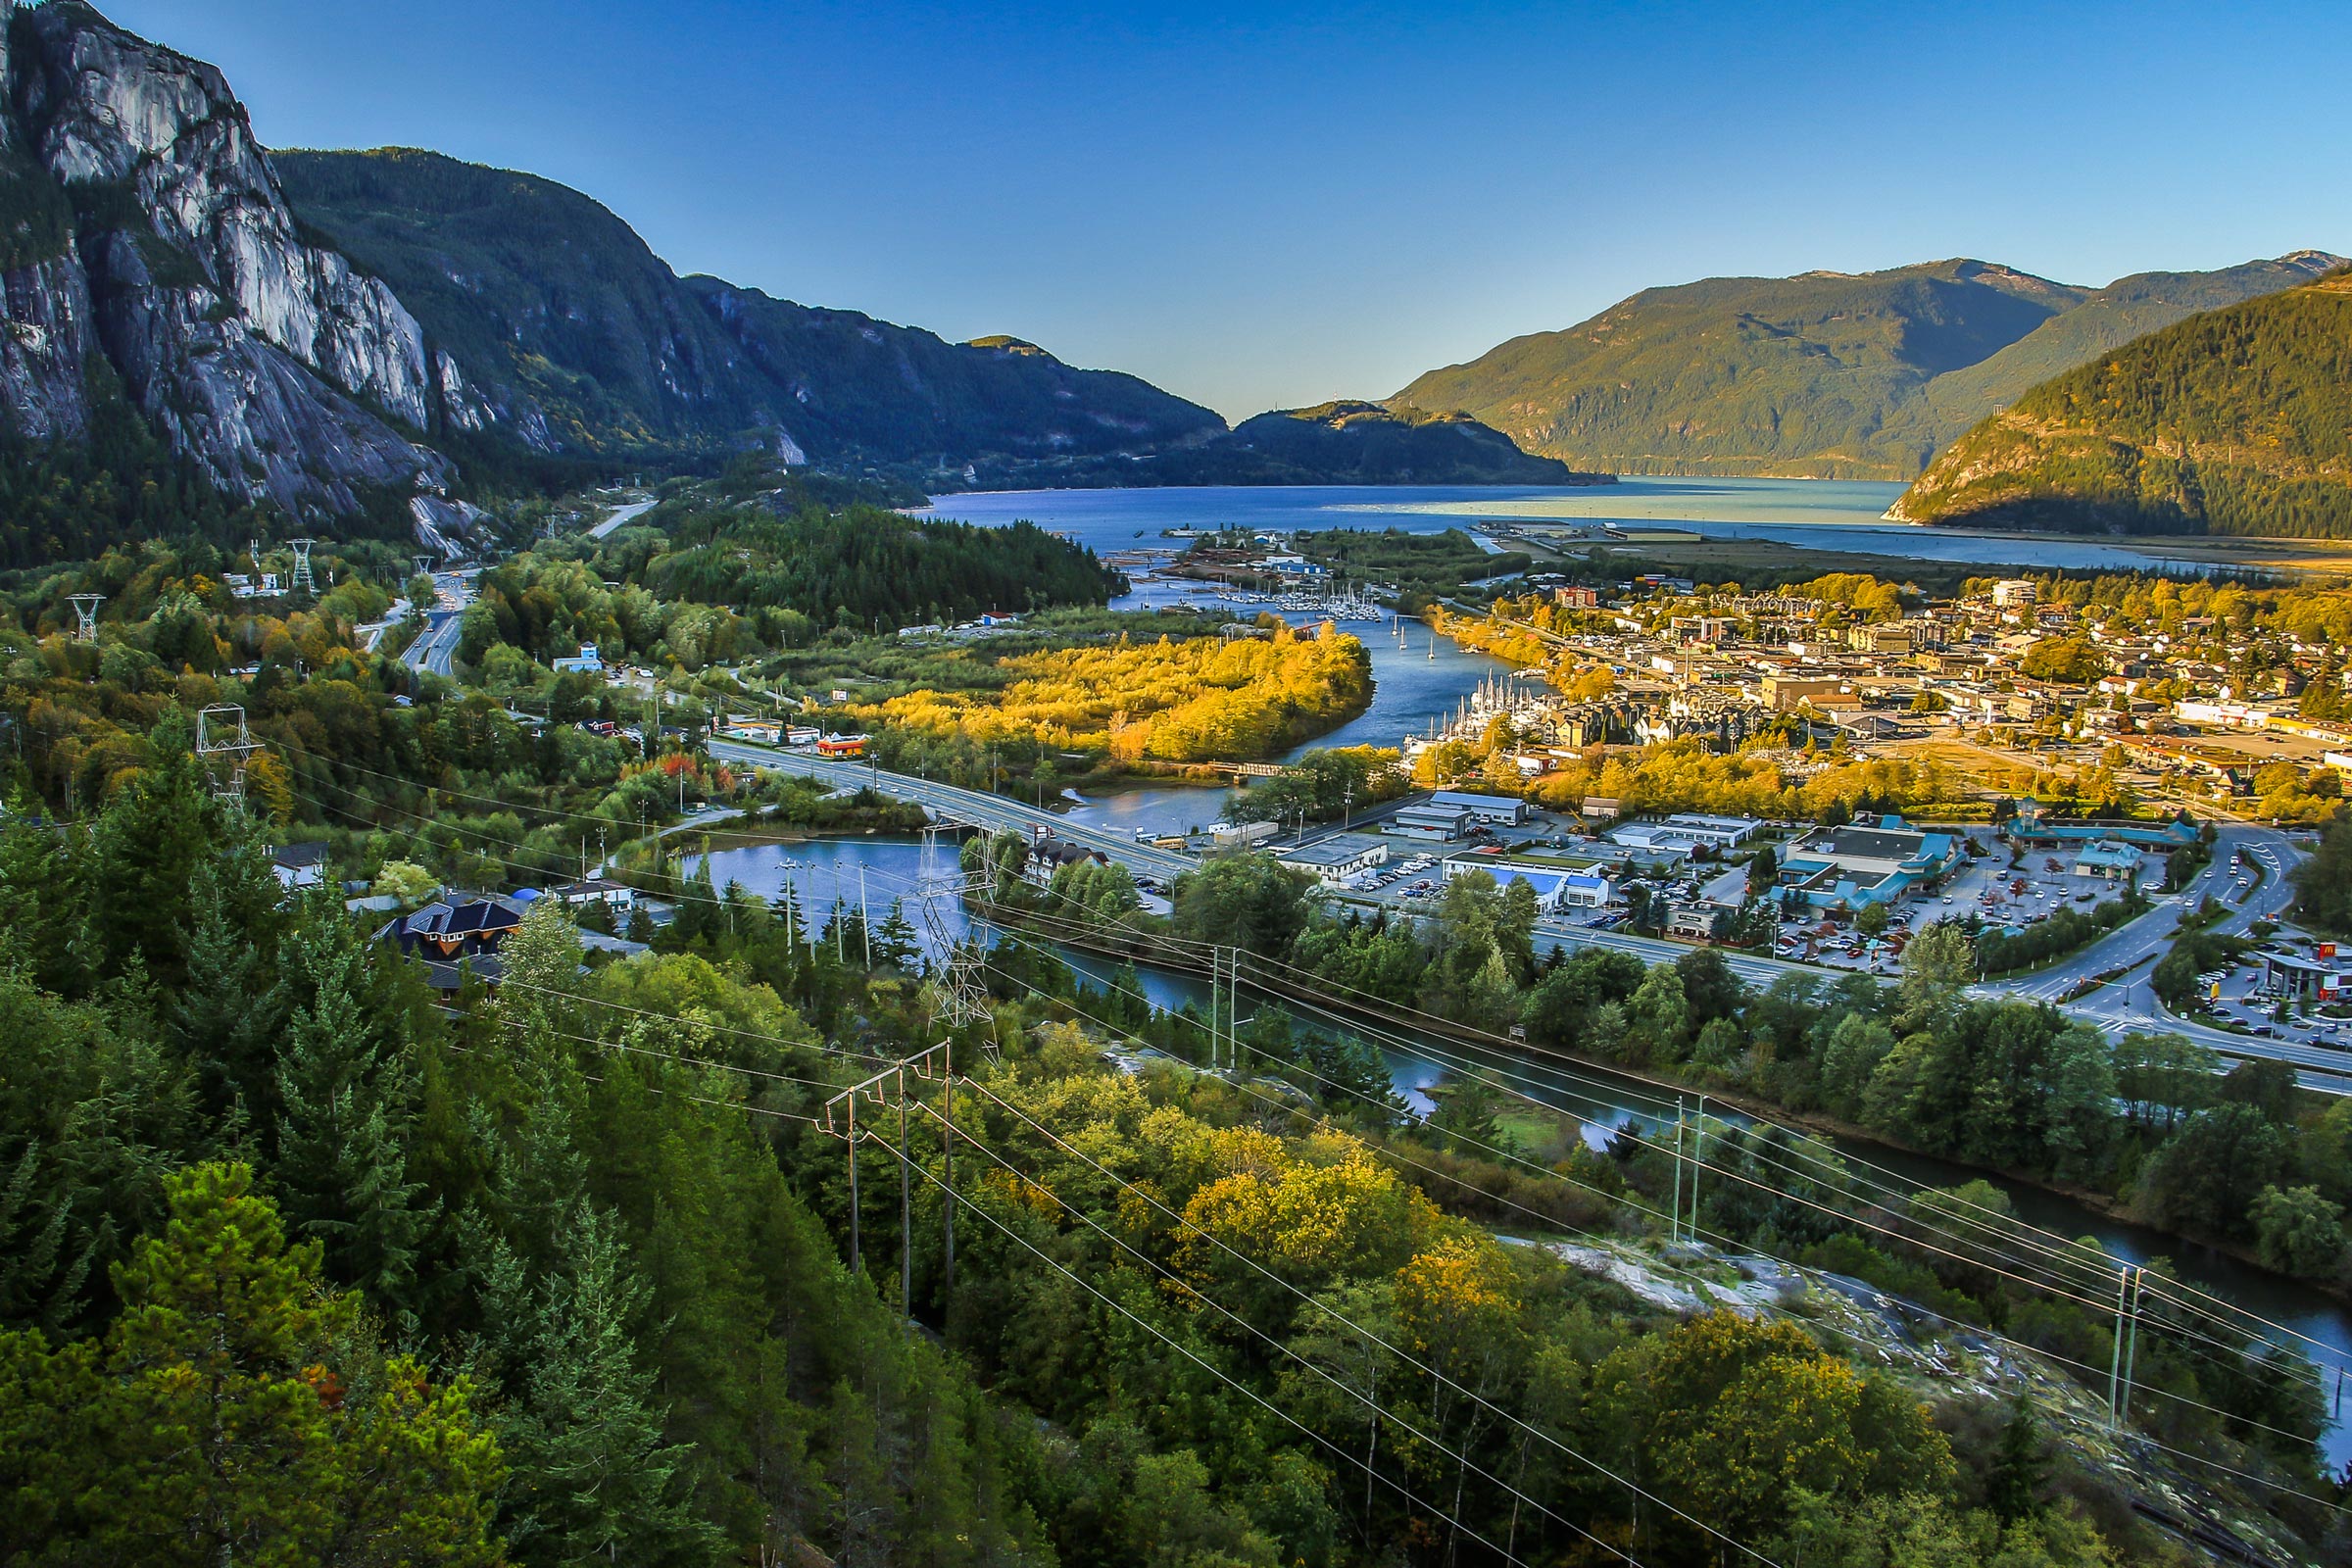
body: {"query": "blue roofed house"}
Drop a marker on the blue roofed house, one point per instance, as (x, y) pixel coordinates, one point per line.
(1866, 862)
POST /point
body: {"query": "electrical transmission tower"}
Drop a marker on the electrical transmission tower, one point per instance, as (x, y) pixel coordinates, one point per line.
(221, 733)
(85, 610)
(301, 579)
(958, 975)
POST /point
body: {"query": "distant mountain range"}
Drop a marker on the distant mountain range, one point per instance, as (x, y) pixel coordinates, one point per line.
(2238, 420)
(580, 340)
(1332, 442)
(361, 336)
(364, 337)
(1822, 376)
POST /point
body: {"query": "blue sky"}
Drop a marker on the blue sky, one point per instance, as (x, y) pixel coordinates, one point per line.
(1276, 204)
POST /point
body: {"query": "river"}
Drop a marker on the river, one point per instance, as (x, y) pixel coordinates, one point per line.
(1812, 514)
(823, 871)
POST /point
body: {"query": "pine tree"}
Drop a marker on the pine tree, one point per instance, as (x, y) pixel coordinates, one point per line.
(346, 1103)
(227, 1013)
(2019, 1467)
(592, 1474)
(236, 1412)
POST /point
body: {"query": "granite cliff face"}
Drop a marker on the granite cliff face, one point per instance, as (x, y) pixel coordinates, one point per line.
(148, 241)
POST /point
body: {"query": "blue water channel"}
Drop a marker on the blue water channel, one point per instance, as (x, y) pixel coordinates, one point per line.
(1815, 513)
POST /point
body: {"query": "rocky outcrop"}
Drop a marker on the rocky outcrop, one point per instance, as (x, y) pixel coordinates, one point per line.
(272, 365)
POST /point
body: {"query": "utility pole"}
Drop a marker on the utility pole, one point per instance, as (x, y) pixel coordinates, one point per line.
(85, 613)
(1675, 1230)
(906, 1207)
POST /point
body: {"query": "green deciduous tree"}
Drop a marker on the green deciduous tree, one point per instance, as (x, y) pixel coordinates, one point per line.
(2299, 1232)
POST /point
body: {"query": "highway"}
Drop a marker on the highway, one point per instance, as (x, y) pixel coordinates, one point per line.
(2116, 1009)
(978, 807)
(2151, 934)
(438, 646)
(621, 518)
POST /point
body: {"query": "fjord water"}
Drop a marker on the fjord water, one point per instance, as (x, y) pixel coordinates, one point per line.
(1812, 514)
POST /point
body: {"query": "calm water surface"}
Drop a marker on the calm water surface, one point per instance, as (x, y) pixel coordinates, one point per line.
(1814, 514)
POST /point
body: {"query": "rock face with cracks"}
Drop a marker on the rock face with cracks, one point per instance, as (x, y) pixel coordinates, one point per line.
(149, 247)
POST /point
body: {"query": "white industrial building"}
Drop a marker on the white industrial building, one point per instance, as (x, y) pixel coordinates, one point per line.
(1334, 860)
(1482, 807)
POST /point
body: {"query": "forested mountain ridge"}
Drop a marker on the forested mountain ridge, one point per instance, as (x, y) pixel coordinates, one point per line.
(2238, 420)
(1823, 375)
(1341, 442)
(586, 341)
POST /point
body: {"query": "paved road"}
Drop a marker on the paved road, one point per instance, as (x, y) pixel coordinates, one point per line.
(443, 623)
(2151, 935)
(623, 515)
(2116, 1009)
(976, 806)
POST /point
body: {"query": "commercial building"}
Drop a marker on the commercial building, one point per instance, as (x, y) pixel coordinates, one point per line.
(1482, 807)
(1686, 830)
(1693, 922)
(2109, 860)
(1785, 694)
(1429, 821)
(2317, 976)
(1550, 883)
(1334, 860)
(1865, 863)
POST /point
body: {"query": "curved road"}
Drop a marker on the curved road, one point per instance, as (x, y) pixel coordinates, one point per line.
(978, 807)
(621, 517)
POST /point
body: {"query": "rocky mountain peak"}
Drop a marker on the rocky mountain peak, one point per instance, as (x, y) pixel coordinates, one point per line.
(270, 362)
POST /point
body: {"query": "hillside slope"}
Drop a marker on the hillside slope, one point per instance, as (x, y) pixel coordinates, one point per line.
(2106, 319)
(1824, 376)
(2238, 420)
(585, 342)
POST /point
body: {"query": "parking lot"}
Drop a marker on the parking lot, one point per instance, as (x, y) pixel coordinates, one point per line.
(2242, 1000)
(2004, 897)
